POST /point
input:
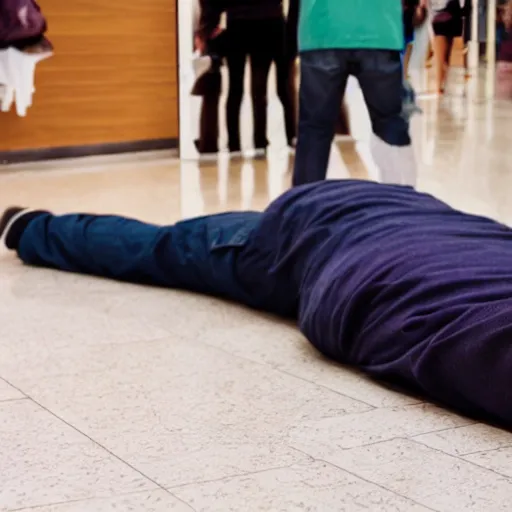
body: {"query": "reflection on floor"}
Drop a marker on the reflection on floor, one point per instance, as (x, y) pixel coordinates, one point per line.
(118, 397)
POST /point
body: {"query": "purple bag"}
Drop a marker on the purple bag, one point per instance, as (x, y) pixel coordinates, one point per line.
(449, 13)
(20, 20)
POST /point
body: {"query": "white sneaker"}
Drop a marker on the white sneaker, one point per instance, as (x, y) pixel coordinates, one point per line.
(396, 164)
(231, 154)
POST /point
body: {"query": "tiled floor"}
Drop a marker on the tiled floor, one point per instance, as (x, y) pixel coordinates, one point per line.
(118, 397)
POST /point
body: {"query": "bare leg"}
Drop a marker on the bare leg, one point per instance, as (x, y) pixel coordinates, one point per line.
(407, 59)
(442, 50)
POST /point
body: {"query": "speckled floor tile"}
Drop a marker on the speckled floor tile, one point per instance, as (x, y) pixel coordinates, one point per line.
(312, 487)
(432, 478)
(154, 501)
(45, 461)
(182, 412)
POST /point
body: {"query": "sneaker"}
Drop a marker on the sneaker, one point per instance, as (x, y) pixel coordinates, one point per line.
(232, 153)
(205, 155)
(12, 224)
(260, 153)
(9, 217)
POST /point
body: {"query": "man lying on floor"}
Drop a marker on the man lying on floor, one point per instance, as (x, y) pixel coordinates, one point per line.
(382, 277)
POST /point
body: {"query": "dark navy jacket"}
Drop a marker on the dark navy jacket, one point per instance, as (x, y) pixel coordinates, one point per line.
(396, 282)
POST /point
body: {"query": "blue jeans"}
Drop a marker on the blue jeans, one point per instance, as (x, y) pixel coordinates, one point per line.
(324, 75)
(200, 255)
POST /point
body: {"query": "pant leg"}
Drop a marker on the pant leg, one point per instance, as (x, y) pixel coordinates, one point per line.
(209, 117)
(323, 79)
(379, 73)
(236, 60)
(199, 255)
(380, 76)
(285, 80)
(286, 91)
(260, 67)
(262, 50)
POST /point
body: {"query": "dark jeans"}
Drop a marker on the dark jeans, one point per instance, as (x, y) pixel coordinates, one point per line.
(199, 255)
(263, 42)
(324, 75)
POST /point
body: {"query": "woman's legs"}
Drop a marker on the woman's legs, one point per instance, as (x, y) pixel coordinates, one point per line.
(443, 50)
(406, 59)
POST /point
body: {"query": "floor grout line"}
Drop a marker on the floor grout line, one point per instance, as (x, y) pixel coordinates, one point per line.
(462, 459)
(84, 500)
(97, 443)
(10, 400)
(370, 481)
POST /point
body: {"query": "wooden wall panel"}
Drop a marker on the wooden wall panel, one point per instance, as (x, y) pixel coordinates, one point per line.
(113, 77)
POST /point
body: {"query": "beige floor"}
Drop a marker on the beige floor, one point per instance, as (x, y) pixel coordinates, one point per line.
(118, 397)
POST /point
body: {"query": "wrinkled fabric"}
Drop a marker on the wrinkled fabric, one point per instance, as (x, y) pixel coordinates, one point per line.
(401, 285)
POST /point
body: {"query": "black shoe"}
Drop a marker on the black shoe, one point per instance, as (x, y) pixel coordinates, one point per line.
(208, 150)
(12, 224)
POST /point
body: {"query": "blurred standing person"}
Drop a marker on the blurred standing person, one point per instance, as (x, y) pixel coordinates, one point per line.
(209, 86)
(363, 38)
(255, 29)
(447, 23)
(415, 14)
(286, 70)
(504, 67)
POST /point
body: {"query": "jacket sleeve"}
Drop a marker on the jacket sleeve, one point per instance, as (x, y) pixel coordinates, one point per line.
(211, 11)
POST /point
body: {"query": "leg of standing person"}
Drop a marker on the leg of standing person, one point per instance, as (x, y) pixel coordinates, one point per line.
(262, 50)
(285, 84)
(286, 91)
(442, 53)
(236, 58)
(324, 75)
(380, 76)
(407, 58)
(209, 86)
(199, 254)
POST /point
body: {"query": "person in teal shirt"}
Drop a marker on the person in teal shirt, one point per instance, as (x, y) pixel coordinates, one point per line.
(362, 38)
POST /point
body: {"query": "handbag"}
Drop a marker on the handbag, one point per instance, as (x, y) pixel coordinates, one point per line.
(447, 13)
(20, 20)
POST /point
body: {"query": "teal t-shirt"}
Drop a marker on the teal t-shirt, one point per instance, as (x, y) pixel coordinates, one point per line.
(351, 24)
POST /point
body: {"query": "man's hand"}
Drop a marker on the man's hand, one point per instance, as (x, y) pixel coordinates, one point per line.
(199, 44)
